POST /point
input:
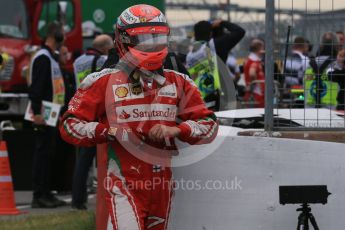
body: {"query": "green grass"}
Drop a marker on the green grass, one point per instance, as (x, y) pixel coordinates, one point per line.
(73, 220)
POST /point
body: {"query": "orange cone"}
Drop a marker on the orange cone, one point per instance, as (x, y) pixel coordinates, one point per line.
(7, 203)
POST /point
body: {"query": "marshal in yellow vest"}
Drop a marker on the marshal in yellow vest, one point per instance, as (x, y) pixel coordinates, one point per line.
(329, 91)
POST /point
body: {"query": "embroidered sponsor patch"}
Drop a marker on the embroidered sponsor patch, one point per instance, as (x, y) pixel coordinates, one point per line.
(168, 91)
(123, 115)
(128, 17)
(127, 92)
(136, 89)
(146, 112)
(121, 92)
(142, 19)
(75, 102)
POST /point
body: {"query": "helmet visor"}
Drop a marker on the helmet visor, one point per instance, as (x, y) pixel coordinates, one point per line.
(149, 42)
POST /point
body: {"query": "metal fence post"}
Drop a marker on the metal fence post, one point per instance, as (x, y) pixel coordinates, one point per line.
(269, 64)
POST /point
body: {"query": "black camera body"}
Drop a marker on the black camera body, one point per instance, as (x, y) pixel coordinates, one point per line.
(303, 194)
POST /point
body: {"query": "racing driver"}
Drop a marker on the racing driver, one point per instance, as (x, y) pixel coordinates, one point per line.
(138, 109)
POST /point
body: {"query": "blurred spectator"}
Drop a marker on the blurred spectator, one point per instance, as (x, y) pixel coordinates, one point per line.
(235, 74)
(221, 43)
(182, 50)
(319, 90)
(254, 75)
(308, 49)
(69, 78)
(296, 64)
(173, 45)
(64, 159)
(211, 46)
(90, 62)
(46, 84)
(94, 57)
(173, 62)
(234, 68)
(336, 73)
(341, 39)
(64, 56)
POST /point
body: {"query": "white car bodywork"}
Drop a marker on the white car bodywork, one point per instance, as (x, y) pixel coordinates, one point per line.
(309, 117)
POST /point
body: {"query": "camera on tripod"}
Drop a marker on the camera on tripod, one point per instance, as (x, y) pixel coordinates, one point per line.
(304, 195)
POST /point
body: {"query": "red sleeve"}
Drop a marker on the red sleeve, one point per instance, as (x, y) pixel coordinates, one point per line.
(199, 124)
(80, 124)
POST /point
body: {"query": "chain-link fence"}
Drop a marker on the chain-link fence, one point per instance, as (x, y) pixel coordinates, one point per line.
(304, 65)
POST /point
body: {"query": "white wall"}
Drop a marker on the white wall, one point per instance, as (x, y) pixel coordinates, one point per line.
(261, 164)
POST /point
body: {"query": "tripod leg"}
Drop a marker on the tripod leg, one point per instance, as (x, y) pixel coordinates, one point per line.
(313, 221)
(302, 222)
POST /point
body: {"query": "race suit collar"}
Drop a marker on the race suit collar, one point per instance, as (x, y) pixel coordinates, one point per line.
(158, 75)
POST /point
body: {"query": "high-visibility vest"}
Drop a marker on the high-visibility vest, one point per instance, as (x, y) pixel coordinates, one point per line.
(329, 92)
(56, 77)
(83, 66)
(203, 68)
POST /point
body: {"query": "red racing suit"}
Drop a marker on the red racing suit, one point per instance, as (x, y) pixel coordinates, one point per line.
(138, 181)
(256, 91)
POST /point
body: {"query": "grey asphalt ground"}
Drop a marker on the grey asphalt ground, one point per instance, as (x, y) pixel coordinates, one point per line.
(23, 203)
